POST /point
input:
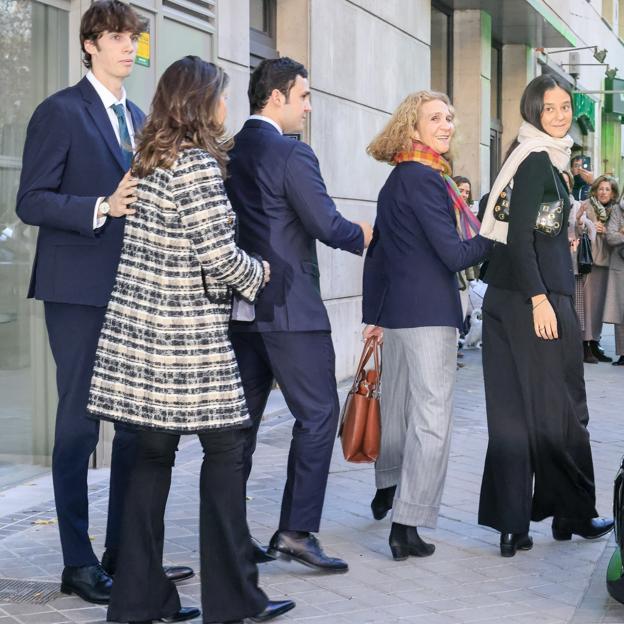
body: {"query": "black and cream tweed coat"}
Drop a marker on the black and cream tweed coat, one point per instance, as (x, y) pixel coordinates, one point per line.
(164, 360)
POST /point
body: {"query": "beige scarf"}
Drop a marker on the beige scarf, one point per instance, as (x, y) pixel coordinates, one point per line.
(530, 140)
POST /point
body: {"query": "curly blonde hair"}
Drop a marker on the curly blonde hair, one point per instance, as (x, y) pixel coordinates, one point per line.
(396, 135)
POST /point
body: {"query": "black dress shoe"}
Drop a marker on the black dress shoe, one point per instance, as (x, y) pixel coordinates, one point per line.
(564, 528)
(382, 503)
(306, 549)
(273, 609)
(598, 352)
(619, 361)
(91, 583)
(185, 613)
(260, 554)
(405, 541)
(511, 542)
(173, 573)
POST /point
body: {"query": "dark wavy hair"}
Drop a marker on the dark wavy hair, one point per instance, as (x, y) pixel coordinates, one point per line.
(279, 73)
(108, 16)
(183, 114)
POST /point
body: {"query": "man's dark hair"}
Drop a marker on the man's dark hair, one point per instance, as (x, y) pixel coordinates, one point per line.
(108, 16)
(532, 101)
(279, 73)
(575, 159)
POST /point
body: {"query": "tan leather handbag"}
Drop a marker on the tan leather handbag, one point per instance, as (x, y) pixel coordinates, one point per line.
(360, 424)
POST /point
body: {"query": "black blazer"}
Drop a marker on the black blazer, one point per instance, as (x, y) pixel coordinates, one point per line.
(531, 262)
(72, 157)
(411, 265)
(275, 186)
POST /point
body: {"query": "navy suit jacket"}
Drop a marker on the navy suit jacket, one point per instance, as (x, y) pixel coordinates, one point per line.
(411, 265)
(72, 157)
(275, 186)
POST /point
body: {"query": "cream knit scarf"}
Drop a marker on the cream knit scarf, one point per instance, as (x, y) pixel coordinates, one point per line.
(530, 140)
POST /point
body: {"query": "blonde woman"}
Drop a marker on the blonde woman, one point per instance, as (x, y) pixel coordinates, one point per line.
(423, 237)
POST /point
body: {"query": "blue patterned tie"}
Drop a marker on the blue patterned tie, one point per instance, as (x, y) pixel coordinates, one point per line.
(124, 134)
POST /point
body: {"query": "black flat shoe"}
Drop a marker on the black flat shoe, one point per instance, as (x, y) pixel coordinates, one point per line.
(185, 613)
(564, 528)
(91, 583)
(405, 541)
(173, 573)
(588, 355)
(273, 610)
(382, 502)
(306, 549)
(511, 542)
(260, 554)
(619, 361)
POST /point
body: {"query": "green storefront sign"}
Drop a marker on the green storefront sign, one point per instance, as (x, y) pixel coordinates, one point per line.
(585, 112)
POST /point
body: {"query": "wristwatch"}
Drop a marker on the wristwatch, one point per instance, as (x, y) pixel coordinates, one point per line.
(104, 207)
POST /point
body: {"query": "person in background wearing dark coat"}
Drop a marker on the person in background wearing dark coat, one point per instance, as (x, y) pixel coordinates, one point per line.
(421, 240)
(582, 178)
(76, 186)
(539, 460)
(279, 196)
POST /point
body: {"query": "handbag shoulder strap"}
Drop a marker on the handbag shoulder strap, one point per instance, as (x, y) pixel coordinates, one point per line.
(552, 170)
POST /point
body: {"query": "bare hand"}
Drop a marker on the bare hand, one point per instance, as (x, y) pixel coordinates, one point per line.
(121, 199)
(600, 228)
(544, 318)
(367, 230)
(588, 176)
(373, 330)
(267, 272)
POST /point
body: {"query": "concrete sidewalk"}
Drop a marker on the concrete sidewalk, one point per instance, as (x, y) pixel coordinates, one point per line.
(465, 581)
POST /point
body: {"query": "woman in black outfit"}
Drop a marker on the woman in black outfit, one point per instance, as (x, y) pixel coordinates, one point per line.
(539, 460)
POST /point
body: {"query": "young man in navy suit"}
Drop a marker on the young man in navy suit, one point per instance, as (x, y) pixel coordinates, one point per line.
(76, 186)
(276, 188)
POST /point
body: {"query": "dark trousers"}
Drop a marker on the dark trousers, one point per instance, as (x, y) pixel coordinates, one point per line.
(303, 363)
(539, 460)
(229, 577)
(74, 331)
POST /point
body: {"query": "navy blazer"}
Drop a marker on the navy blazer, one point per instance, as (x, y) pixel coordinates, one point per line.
(275, 186)
(72, 157)
(411, 265)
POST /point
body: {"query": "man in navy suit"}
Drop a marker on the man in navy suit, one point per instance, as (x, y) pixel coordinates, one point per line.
(76, 186)
(275, 187)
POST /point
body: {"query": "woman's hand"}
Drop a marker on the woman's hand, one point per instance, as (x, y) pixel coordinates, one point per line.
(373, 330)
(600, 228)
(267, 272)
(544, 318)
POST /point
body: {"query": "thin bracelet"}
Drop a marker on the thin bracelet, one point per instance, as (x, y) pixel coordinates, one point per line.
(540, 303)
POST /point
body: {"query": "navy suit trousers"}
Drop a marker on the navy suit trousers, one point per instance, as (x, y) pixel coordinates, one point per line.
(73, 331)
(303, 363)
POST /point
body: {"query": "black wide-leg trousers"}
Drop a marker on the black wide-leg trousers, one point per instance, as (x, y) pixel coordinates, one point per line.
(539, 460)
(229, 577)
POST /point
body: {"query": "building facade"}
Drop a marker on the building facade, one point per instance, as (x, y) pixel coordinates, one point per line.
(363, 56)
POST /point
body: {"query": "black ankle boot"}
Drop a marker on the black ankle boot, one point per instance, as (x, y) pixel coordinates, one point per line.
(588, 354)
(619, 361)
(598, 352)
(592, 528)
(405, 541)
(511, 542)
(382, 503)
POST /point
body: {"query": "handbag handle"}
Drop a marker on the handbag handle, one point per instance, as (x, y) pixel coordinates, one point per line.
(552, 169)
(372, 347)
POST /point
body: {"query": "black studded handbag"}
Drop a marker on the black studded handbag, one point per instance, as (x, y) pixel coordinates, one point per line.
(550, 214)
(501, 207)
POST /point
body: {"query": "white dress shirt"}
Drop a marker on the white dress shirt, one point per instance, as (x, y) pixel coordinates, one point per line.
(108, 99)
(268, 120)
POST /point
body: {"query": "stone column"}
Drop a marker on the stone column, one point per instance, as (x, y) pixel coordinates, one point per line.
(472, 50)
(518, 71)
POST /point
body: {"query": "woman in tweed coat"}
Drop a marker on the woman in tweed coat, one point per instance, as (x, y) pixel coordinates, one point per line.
(165, 364)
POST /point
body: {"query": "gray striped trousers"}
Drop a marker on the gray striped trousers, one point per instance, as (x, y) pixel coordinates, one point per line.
(419, 367)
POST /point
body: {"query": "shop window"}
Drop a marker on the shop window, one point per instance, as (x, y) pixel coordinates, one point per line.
(441, 50)
(262, 29)
(35, 59)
